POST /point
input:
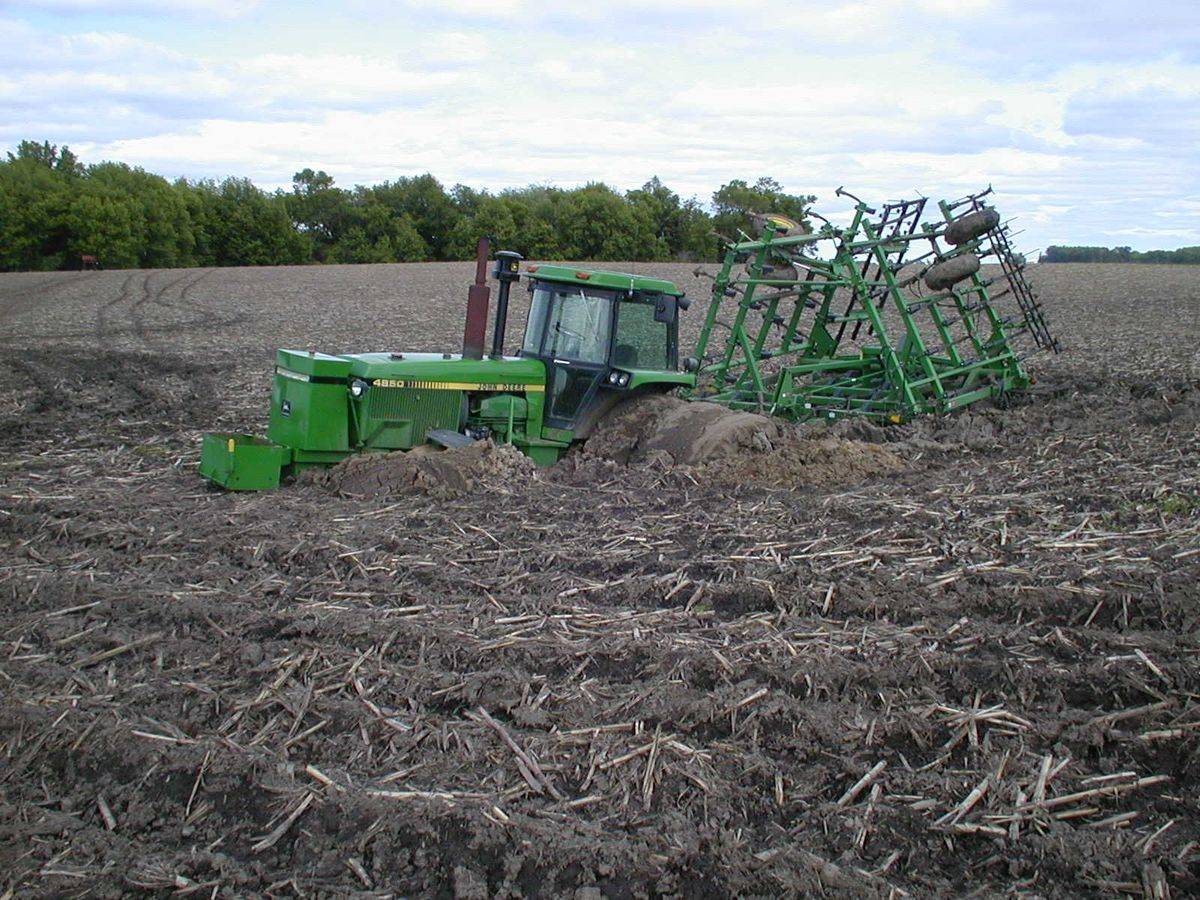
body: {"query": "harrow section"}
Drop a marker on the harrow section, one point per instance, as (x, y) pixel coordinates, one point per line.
(889, 318)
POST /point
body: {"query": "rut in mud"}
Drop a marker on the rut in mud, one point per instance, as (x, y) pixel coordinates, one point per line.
(972, 666)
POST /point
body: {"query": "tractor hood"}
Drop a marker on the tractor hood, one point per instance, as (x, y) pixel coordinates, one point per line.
(449, 370)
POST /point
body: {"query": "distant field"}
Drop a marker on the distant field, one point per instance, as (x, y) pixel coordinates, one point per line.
(1149, 310)
(978, 673)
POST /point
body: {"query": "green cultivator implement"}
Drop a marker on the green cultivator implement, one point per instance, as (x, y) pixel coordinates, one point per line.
(888, 318)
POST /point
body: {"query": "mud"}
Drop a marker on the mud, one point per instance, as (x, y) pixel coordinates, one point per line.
(695, 441)
(712, 444)
(672, 430)
(975, 672)
(445, 474)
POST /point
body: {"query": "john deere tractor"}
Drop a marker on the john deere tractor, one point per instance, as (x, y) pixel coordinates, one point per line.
(592, 338)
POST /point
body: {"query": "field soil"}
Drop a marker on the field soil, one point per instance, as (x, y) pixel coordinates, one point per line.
(959, 656)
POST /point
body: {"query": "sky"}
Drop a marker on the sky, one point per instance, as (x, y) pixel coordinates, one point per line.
(1084, 115)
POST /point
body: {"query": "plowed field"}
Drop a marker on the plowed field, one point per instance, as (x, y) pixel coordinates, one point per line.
(973, 669)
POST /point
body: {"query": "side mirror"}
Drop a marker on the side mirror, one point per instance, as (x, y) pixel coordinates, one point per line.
(683, 302)
(664, 309)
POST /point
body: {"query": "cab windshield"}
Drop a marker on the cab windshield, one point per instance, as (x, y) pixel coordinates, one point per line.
(569, 321)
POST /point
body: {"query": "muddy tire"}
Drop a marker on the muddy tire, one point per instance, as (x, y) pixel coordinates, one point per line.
(971, 226)
(950, 272)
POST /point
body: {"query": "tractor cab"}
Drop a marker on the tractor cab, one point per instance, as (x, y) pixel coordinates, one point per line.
(600, 335)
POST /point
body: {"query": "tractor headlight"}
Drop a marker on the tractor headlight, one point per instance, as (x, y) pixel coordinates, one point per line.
(623, 379)
(358, 387)
(614, 377)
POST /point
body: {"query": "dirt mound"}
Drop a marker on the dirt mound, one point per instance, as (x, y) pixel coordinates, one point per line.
(795, 461)
(729, 446)
(444, 474)
(678, 432)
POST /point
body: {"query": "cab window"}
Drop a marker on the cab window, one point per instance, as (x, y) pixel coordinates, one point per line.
(569, 322)
(642, 342)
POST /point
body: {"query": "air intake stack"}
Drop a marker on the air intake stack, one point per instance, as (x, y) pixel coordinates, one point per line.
(508, 270)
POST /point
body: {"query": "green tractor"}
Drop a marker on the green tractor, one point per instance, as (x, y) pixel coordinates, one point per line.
(592, 338)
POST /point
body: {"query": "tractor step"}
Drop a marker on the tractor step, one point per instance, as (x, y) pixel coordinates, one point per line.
(243, 462)
(451, 440)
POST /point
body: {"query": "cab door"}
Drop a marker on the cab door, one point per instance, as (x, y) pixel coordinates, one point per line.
(570, 389)
(575, 342)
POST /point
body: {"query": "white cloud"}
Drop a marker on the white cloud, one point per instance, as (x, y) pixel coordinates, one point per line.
(333, 80)
(451, 49)
(226, 9)
(488, 9)
(958, 9)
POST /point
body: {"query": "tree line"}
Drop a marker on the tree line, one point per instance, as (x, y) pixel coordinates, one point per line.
(1182, 256)
(54, 211)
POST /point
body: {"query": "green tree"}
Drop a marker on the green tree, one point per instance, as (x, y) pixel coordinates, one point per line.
(48, 155)
(466, 199)
(319, 209)
(104, 223)
(34, 200)
(252, 228)
(598, 223)
(426, 204)
(203, 203)
(537, 210)
(52, 209)
(536, 238)
(1060, 254)
(493, 218)
(377, 236)
(158, 215)
(681, 228)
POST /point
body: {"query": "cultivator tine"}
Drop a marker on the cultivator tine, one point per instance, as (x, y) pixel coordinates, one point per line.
(1013, 266)
(1031, 307)
(898, 220)
(939, 345)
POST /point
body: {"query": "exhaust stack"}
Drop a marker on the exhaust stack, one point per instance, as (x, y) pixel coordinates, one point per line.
(478, 296)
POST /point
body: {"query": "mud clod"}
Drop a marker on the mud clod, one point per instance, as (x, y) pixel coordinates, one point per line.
(645, 428)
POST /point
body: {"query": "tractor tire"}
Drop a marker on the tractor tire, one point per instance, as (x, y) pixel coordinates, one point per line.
(971, 226)
(950, 272)
(782, 272)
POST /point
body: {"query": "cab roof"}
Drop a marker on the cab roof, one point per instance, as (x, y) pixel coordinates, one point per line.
(621, 281)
